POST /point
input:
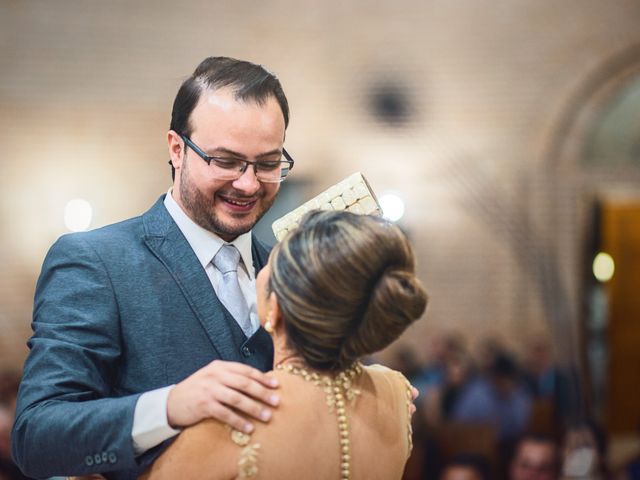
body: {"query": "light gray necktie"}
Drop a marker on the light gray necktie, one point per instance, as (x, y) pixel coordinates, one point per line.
(226, 261)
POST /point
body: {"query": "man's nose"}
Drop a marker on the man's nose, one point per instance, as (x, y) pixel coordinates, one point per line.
(248, 182)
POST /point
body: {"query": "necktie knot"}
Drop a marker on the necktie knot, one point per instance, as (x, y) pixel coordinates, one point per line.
(227, 259)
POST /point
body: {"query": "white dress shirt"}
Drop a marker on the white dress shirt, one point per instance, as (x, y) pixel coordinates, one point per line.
(150, 424)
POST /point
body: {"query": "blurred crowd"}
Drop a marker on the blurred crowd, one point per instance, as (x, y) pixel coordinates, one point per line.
(492, 415)
(484, 416)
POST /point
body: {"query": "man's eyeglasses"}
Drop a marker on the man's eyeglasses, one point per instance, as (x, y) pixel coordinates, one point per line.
(228, 168)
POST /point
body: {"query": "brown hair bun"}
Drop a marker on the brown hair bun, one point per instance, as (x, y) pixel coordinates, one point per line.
(346, 286)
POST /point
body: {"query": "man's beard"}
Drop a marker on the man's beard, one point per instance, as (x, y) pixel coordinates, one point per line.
(200, 208)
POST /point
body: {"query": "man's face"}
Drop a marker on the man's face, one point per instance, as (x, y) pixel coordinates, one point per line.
(534, 461)
(225, 127)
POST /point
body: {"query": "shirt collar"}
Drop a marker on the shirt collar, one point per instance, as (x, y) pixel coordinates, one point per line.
(204, 243)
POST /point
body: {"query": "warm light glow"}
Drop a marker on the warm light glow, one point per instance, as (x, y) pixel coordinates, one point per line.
(392, 206)
(603, 267)
(77, 215)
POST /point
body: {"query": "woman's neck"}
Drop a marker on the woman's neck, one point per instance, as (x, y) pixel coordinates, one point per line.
(282, 356)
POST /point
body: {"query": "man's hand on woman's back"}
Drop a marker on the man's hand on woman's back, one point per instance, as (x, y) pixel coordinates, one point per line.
(227, 391)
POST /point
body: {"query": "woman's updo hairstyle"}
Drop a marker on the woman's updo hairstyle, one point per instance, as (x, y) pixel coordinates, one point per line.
(346, 287)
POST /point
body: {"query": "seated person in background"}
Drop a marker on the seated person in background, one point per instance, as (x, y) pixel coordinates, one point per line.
(545, 379)
(584, 451)
(338, 288)
(466, 467)
(536, 457)
(498, 398)
(440, 349)
(439, 401)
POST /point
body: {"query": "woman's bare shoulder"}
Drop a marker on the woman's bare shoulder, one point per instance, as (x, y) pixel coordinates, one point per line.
(203, 451)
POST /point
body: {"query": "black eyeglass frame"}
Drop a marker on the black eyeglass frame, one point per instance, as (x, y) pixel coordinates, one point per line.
(209, 158)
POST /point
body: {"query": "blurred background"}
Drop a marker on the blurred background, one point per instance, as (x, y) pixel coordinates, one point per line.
(503, 136)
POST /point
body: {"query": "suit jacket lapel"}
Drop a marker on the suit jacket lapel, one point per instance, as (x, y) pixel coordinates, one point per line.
(166, 241)
(260, 344)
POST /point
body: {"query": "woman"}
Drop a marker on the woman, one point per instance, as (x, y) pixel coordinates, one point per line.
(339, 287)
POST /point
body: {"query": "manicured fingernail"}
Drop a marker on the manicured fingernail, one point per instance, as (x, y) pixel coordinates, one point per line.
(248, 428)
(265, 415)
(273, 382)
(274, 400)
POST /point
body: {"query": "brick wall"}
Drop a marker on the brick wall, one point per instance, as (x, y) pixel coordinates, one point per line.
(86, 91)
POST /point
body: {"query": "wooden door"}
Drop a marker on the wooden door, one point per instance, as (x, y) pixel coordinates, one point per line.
(620, 230)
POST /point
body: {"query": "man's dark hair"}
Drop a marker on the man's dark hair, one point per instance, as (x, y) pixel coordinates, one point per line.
(504, 366)
(251, 83)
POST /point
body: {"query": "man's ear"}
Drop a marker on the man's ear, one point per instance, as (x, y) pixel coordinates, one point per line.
(176, 149)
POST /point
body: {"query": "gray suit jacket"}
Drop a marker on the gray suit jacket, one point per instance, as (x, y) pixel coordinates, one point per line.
(118, 311)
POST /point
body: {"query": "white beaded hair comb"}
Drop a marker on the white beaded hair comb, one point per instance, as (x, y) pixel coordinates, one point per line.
(352, 194)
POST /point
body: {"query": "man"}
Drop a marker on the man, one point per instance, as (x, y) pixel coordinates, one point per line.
(497, 398)
(535, 458)
(147, 326)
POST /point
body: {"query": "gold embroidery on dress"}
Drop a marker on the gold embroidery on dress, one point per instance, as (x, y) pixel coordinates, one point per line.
(336, 388)
(248, 461)
(240, 438)
(409, 402)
